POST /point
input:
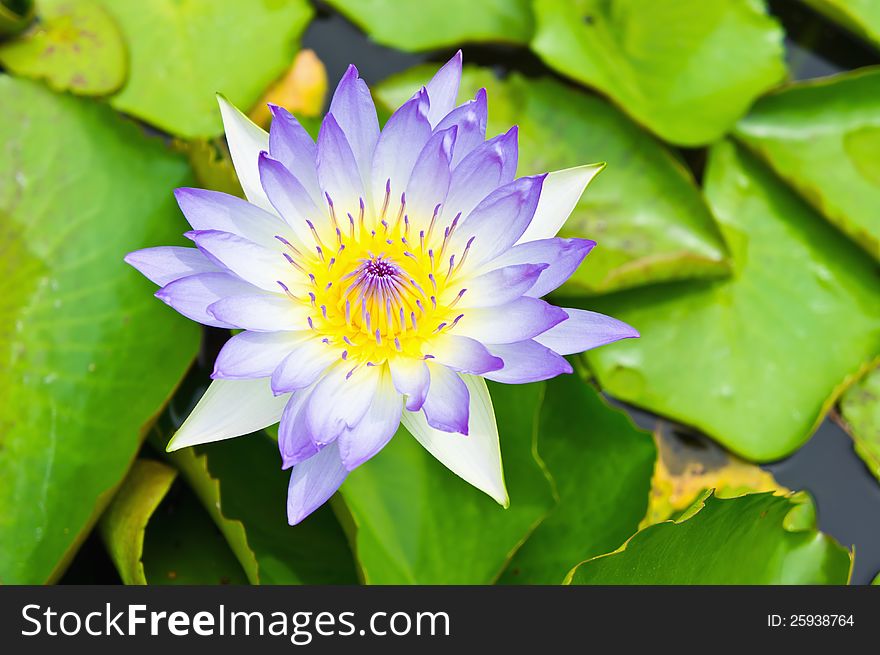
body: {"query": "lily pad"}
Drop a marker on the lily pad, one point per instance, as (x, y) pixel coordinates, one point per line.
(241, 485)
(75, 46)
(644, 210)
(823, 138)
(686, 69)
(123, 524)
(430, 24)
(860, 411)
(688, 465)
(183, 52)
(757, 360)
(154, 537)
(749, 540)
(861, 17)
(601, 466)
(183, 546)
(415, 522)
(88, 355)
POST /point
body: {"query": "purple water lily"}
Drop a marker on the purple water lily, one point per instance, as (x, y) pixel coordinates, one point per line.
(379, 278)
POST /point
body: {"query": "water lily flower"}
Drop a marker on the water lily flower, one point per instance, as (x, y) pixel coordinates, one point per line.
(379, 277)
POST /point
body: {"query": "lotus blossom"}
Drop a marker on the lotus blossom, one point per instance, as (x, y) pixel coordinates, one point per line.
(378, 277)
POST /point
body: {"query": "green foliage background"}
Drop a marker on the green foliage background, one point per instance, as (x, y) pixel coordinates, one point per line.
(738, 223)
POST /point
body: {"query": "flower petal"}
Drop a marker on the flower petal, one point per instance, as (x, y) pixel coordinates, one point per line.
(262, 312)
(562, 257)
(498, 221)
(462, 354)
(253, 263)
(359, 443)
(290, 199)
(165, 264)
(246, 140)
(338, 172)
(519, 320)
(192, 295)
(499, 286)
(470, 119)
(561, 192)
(527, 361)
(487, 167)
(475, 458)
(290, 144)
(443, 89)
(294, 441)
(306, 362)
(229, 408)
(446, 405)
(212, 210)
(399, 145)
(429, 182)
(411, 378)
(312, 482)
(584, 330)
(352, 106)
(339, 401)
(255, 354)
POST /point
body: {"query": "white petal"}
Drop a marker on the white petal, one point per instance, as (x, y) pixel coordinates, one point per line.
(475, 458)
(230, 408)
(246, 141)
(559, 196)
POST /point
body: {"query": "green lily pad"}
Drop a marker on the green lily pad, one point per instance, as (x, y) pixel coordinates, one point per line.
(601, 466)
(122, 526)
(757, 360)
(644, 210)
(861, 17)
(88, 355)
(745, 540)
(687, 69)
(184, 53)
(860, 411)
(241, 485)
(183, 546)
(154, 537)
(429, 24)
(75, 46)
(416, 522)
(823, 138)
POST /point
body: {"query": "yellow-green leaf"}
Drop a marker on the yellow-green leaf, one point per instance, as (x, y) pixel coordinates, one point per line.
(184, 52)
(75, 46)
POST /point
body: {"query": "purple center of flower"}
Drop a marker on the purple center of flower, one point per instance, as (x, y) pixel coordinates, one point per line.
(379, 291)
(379, 268)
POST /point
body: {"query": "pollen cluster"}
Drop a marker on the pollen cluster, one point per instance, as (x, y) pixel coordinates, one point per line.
(377, 287)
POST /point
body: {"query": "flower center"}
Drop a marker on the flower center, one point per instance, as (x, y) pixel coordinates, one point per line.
(386, 289)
